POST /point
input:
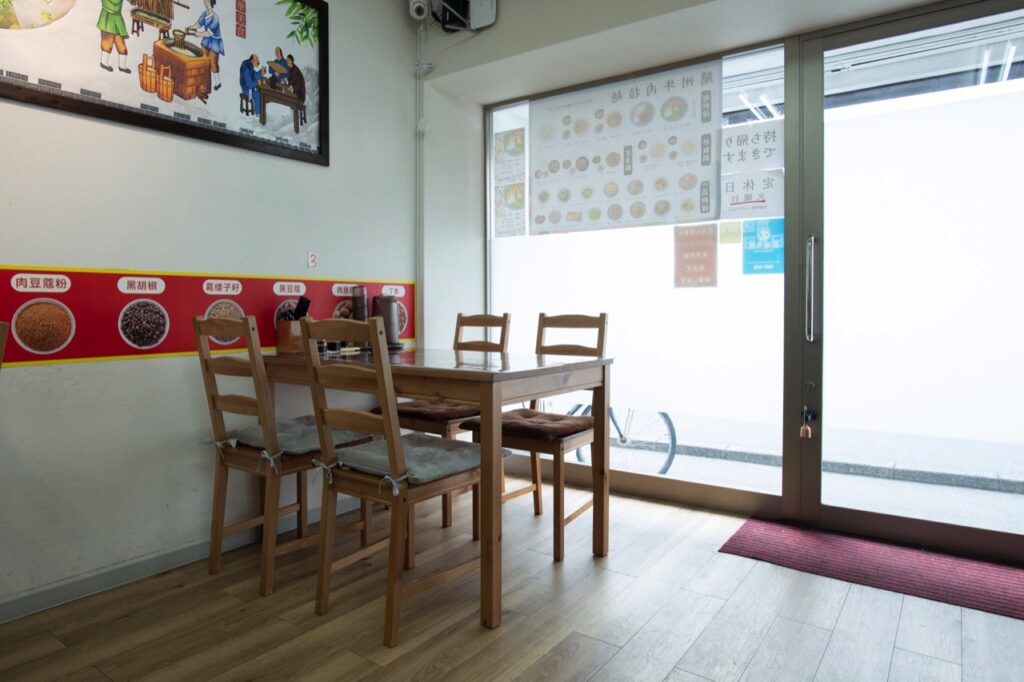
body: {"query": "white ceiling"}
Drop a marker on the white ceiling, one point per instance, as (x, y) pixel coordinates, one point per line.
(527, 54)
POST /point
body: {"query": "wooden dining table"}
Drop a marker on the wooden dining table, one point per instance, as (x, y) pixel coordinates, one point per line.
(492, 380)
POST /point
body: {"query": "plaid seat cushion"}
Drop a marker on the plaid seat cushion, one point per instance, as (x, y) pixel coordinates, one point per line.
(533, 424)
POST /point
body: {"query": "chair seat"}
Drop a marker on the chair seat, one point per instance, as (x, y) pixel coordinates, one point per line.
(537, 425)
(435, 412)
(427, 458)
(295, 436)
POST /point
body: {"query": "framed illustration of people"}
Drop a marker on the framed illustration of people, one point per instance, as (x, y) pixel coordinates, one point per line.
(167, 65)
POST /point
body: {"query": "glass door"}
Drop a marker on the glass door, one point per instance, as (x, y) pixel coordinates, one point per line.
(911, 319)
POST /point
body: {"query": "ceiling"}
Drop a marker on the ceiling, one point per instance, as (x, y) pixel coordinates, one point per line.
(526, 52)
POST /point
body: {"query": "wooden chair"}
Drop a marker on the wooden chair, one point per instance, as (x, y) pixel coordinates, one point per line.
(551, 433)
(4, 327)
(445, 418)
(249, 449)
(398, 471)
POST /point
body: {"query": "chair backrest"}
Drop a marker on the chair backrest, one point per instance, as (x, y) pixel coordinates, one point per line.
(4, 327)
(487, 321)
(598, 323)
(342, 376)
(262, 406)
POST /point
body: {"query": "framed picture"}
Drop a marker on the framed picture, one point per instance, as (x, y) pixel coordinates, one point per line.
(248, 73)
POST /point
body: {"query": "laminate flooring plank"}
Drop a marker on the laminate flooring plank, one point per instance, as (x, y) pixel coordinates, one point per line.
(790, 651)
(624, 615)
(931, 628)
(575, 658)
(123, 636)
(438, 656)
(28, 649)
(716, 528)
(678, 675)
(115, 601)
(993, 647)
(814, 600)
(312, 655)
(199, 653)
(733, 636)
(682, 562)
(89, 674)
(864, 637)
(653, 652)
(721, 575)
(908, 666)
(515, 651)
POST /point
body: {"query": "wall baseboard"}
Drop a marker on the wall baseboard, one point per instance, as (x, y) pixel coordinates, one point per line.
(121, 575)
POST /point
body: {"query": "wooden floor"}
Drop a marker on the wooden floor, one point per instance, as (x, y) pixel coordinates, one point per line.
(663, 606)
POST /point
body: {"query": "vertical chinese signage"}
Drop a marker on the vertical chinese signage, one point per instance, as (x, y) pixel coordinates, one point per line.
(639, 152)
(697, 255)
(509, 189)
(753, 179)
(73, 315)
(240, 18)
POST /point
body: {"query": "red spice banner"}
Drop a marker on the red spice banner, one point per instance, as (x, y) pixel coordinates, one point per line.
(75, 315)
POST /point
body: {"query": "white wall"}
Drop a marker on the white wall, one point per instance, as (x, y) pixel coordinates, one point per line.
(101, 462)
(453, 246)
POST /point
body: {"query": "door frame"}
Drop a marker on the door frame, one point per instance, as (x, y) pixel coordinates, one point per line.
(802, 461)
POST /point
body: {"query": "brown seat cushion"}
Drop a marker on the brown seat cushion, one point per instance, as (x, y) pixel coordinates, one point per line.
(547, 426)
(438, 412)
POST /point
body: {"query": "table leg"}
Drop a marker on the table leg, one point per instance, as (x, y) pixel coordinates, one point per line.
(295, 115)
(490, 505)
(599, 453)
(263, 111)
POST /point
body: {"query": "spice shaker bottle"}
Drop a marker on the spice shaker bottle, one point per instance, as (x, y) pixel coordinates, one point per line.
(359, 303)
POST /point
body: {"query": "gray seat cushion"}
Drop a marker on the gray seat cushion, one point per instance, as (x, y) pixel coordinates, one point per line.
(295, 436)
(426, 458)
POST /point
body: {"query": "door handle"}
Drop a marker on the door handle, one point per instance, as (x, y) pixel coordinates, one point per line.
(809, 332)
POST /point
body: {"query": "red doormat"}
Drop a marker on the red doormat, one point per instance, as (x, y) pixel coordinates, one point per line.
(981, 585)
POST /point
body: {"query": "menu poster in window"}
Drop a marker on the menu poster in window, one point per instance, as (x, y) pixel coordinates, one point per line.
(753, 176)
(697, 256)
(509, 190)
(763, 247)
(644, 151)
(62, 315)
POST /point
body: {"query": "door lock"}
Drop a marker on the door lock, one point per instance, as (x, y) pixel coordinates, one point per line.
(808, 416)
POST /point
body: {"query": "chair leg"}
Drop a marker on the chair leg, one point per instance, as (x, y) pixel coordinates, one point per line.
(476, 512)
(302, 497)
(271, 505)
(446, 510)
(502, 467)
(366, 515)
(396, 551)
(558, 489)
(220, 492)
(328, 510)
(538, 491)
(410, 537)
(446, 500)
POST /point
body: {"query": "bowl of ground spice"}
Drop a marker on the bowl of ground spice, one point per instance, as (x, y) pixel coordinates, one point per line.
(43, 326)
(143, 324)
(224, 309)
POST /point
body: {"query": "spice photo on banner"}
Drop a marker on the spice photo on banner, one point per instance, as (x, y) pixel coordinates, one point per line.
(170, 65)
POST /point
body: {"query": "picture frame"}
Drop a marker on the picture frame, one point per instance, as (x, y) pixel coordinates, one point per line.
(184, 74)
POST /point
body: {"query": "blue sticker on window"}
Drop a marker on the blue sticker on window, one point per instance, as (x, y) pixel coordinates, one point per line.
(763, 246)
